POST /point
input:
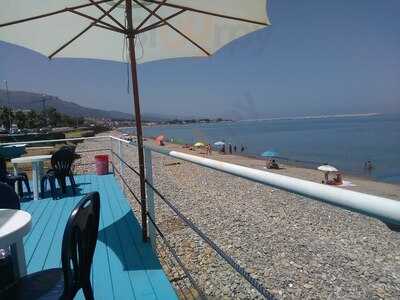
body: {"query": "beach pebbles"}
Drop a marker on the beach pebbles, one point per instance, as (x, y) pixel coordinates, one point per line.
(296, 247)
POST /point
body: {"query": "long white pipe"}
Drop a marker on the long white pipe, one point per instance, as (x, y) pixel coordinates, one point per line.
(387, 210)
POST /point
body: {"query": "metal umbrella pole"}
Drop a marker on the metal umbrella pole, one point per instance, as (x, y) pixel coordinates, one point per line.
(9, 105)
(138, 121)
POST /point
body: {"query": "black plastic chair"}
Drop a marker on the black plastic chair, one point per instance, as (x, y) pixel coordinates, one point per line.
(78, 246)
(73, 149)
(61, 163)
(8, 198)
(11, 179)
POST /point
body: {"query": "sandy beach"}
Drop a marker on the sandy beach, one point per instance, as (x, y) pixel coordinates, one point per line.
(296, 247)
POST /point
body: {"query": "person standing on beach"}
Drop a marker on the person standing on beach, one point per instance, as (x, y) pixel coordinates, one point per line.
(242, 148)
(230, 148)
(234, 149)
(209, 151)
(368, 165)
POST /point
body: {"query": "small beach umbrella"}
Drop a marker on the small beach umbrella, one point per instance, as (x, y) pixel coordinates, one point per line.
(199, 144)
(270, 153)
(134, 31)
(160, 139)
(327, 168)
(219, 144)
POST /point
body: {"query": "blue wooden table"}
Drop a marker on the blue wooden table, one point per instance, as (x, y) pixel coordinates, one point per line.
(124, 267)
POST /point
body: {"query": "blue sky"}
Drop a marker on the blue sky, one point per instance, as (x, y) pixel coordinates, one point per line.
(318, 57)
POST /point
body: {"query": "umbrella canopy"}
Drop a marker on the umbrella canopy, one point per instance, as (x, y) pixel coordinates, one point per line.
(199, 144)
(164, 29)
(327, 168)
(160, 140)
(270, 153)
(219, 144)
(133, 31)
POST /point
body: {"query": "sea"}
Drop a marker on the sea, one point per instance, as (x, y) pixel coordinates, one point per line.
(346, 142)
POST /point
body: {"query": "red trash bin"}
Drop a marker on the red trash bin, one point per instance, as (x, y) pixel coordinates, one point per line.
(101, 164)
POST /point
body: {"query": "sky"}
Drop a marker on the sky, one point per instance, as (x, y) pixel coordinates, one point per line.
(318, 57)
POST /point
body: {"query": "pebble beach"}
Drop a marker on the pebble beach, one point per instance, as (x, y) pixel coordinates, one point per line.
(296, 247)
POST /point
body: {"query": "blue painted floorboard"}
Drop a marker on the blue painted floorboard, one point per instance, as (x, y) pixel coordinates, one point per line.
(124, 267)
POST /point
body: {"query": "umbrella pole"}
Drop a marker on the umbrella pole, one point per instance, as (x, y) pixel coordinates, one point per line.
(139, 133)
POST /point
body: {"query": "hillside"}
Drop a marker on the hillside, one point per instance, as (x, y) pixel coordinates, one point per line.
(28, 100)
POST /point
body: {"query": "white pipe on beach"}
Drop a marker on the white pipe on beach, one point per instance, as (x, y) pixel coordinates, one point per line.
(387, 210)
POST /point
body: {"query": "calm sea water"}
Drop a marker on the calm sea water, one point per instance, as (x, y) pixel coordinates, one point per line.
(343, 142)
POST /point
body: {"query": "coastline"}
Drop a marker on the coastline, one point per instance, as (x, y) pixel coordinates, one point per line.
(349, 151)
(292, 168)
(361, 184)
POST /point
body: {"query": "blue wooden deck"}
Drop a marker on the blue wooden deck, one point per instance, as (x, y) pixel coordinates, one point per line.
(123, 268)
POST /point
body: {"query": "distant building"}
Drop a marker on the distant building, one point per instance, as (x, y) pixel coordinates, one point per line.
(14, 129)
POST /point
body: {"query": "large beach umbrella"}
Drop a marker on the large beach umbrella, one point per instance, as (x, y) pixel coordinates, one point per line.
(148, 29)
(219, 144)
(327, 168)
(159, 138)
(270, 153)
(199, 144)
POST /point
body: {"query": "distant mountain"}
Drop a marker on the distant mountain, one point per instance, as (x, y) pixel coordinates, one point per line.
(34, 101)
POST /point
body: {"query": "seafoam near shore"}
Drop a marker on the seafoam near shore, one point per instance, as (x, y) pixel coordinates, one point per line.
(297, 247)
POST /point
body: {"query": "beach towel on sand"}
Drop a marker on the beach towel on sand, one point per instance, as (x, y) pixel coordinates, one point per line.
(346, 183)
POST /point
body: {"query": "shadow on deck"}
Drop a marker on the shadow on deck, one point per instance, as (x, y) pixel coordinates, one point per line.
(123, 268)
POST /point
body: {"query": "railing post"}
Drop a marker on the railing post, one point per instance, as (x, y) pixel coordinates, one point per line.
(150, 195)
(121, 164)
(112, 154)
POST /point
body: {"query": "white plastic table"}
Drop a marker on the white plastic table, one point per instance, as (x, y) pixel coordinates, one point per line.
(14, 225)
(37, 169)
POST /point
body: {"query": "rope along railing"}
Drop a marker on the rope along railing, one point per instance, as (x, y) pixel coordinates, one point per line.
(163, 238)
(246, 275)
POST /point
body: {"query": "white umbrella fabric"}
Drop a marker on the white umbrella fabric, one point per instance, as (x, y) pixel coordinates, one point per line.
(190, 28)
(327, 168)
(219, 144)
(148, 29)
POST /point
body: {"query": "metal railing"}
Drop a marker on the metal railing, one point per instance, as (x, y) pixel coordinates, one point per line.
(384, 209)
(154, 229)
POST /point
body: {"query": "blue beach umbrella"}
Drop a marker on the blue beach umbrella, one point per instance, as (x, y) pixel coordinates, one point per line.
(220, 144)
(270, 153)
